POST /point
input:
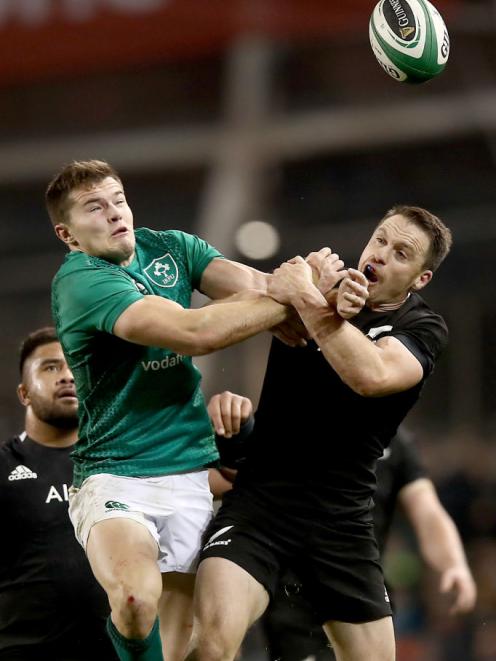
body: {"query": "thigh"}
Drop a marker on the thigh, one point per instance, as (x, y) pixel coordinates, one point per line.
(367, 641)
(251, 548)
(342, 574)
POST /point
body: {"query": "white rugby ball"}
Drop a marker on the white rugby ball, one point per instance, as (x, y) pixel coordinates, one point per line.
(409, 39)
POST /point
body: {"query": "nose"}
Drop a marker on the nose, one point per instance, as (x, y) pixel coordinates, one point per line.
(380, 255)
(113, 213)
(65, 376)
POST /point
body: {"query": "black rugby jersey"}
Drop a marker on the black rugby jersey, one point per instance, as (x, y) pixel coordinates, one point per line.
(399, 466)
(316, 441)
(51, 607)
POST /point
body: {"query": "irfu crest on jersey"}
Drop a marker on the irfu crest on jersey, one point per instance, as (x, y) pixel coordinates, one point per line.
(163, 271)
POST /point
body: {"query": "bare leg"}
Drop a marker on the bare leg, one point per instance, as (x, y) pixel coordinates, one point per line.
(123, 557)
(369, 641)
(227, 602)
(176, 614)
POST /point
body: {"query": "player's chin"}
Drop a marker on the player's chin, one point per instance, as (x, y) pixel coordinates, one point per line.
(67, 407)
(123, 252)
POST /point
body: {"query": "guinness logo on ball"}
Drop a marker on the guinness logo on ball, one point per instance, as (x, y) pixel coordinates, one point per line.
(400, 19)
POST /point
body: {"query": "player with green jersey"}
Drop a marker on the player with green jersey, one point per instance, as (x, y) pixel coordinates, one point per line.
(140, 501)
(143, 392)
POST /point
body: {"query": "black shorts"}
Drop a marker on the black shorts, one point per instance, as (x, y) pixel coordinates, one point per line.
(337, 563)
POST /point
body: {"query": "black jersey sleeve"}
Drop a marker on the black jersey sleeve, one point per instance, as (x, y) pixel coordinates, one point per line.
(408, 464)
(425, 334)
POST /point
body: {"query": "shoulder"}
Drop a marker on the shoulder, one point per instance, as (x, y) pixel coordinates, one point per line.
(9, 444)
(420, 320)
(12, 447)
(86, 268)
(144, 235)
(79, 263)
(171, 241)
(421, 330)
(84, 278)
(418, 311)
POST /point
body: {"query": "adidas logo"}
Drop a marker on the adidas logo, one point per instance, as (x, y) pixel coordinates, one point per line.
(22, 473)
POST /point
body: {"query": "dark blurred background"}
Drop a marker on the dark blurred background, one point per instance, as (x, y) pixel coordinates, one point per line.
(267, 127)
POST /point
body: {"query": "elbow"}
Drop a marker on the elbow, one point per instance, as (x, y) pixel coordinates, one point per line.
(201, 343)
(368, 385)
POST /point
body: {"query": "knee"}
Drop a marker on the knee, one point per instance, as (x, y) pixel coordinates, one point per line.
(212, 646)
(134, 611)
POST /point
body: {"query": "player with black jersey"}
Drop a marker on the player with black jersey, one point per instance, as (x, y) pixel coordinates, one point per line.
(304, 497)
(291, 630)
(51, 607)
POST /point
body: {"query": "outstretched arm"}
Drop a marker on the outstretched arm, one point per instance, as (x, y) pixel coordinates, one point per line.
(156, 321)
(439, 542)
(372, 369)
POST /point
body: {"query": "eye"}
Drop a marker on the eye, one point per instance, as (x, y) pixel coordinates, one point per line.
(97, 208)
(402, 255)
(380, 240)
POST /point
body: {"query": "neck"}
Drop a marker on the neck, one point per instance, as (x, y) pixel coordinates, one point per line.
(127, 261)
(46, 434)
(124, 262)
(385, 307)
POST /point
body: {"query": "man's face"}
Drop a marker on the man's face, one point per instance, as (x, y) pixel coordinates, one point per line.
(100, 222)
(396, 256)
(48, 387)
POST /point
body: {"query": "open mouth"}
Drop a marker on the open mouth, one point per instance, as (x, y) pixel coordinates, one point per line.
(66, 393)
(370, 274)
(120, 231)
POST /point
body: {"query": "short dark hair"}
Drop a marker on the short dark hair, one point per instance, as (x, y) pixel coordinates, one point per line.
(74, 175)
(36, 339)
(440, 236)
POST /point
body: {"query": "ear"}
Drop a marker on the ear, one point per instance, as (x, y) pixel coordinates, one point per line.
(63, 232)
(423, 279)
(23, 395)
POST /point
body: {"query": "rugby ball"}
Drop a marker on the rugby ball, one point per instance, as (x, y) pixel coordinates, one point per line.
(409, 39)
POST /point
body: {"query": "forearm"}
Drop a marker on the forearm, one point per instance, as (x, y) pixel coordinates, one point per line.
(156, 322)
(223, 278)
(440, 543)
(243, 277)
(341, 343)
(225, 324)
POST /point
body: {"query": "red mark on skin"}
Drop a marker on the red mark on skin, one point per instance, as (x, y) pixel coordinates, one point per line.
(130, 600)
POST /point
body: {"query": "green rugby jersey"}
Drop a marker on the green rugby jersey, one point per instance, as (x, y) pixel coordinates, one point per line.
(141, 410)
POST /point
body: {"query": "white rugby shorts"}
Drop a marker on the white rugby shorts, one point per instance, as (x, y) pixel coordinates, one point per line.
(175, 509)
